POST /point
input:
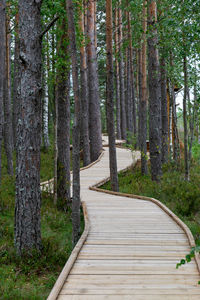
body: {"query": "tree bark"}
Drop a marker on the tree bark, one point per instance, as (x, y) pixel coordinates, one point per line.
(93, 84)
(164, 112)
(16, 80)
(2, 72)
(139, 94)
(46, 107)
(143, 105)
(128, 80)
(175, 137)
(76, 125)
(117, 82)
(109, 99)
(55, 185)
(121, 78)
(134, 111)
(84, 95)
(8, 132)
(187, 175)
(193, 119)
(63, 99)
(28, 195)
(154, 94)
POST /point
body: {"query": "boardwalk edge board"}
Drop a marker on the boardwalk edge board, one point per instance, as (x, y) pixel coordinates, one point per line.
(70, 262)
(157, 202)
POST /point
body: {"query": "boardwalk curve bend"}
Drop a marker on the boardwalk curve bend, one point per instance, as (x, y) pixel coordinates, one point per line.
(129, 248)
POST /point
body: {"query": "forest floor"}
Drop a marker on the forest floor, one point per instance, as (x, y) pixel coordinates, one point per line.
(182, 197)
(33, 277)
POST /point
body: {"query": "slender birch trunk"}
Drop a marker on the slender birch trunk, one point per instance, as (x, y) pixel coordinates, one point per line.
(46, 108)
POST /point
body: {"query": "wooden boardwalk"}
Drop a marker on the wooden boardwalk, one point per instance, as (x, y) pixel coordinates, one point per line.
(131, 250)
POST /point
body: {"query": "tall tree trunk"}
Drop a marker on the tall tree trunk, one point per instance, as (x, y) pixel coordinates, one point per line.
(169, 117)
(134, 112)
(143, 113)
(8, 133)
(175, 137)
(46, 109)
(2, 72)
(117, 82)
(93, 83)
(128, 82)
(139, 71)
(84, 95)
(164, 111)
(28, 195)
(154, 94)
(76, 126)
(193, 119)
(55, 186)
(16, 80)
(109, 99)
(63, 98)
(55, 129)
(121, 77)
(129, 109)
(185, 69)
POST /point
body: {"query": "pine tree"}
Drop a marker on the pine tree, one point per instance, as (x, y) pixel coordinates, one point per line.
(28, 195)
(109, 98)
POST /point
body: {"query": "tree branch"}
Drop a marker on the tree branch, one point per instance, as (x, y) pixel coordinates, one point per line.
(48, 26)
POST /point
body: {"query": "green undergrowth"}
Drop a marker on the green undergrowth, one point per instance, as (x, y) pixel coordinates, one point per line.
(182, 197)
(47, 164)
(34, 276)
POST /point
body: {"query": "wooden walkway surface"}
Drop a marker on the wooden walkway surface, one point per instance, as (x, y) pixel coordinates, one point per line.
(131, 250)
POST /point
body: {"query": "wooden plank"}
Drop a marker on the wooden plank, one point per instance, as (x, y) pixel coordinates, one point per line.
(129, 280)
(131, 291)
(129, 267)
(133, 241)
(128, 297)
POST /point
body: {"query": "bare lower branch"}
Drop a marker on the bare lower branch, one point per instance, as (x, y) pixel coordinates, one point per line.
(48, 26)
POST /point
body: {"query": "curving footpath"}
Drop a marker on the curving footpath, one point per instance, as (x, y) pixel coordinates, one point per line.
(129, 248)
